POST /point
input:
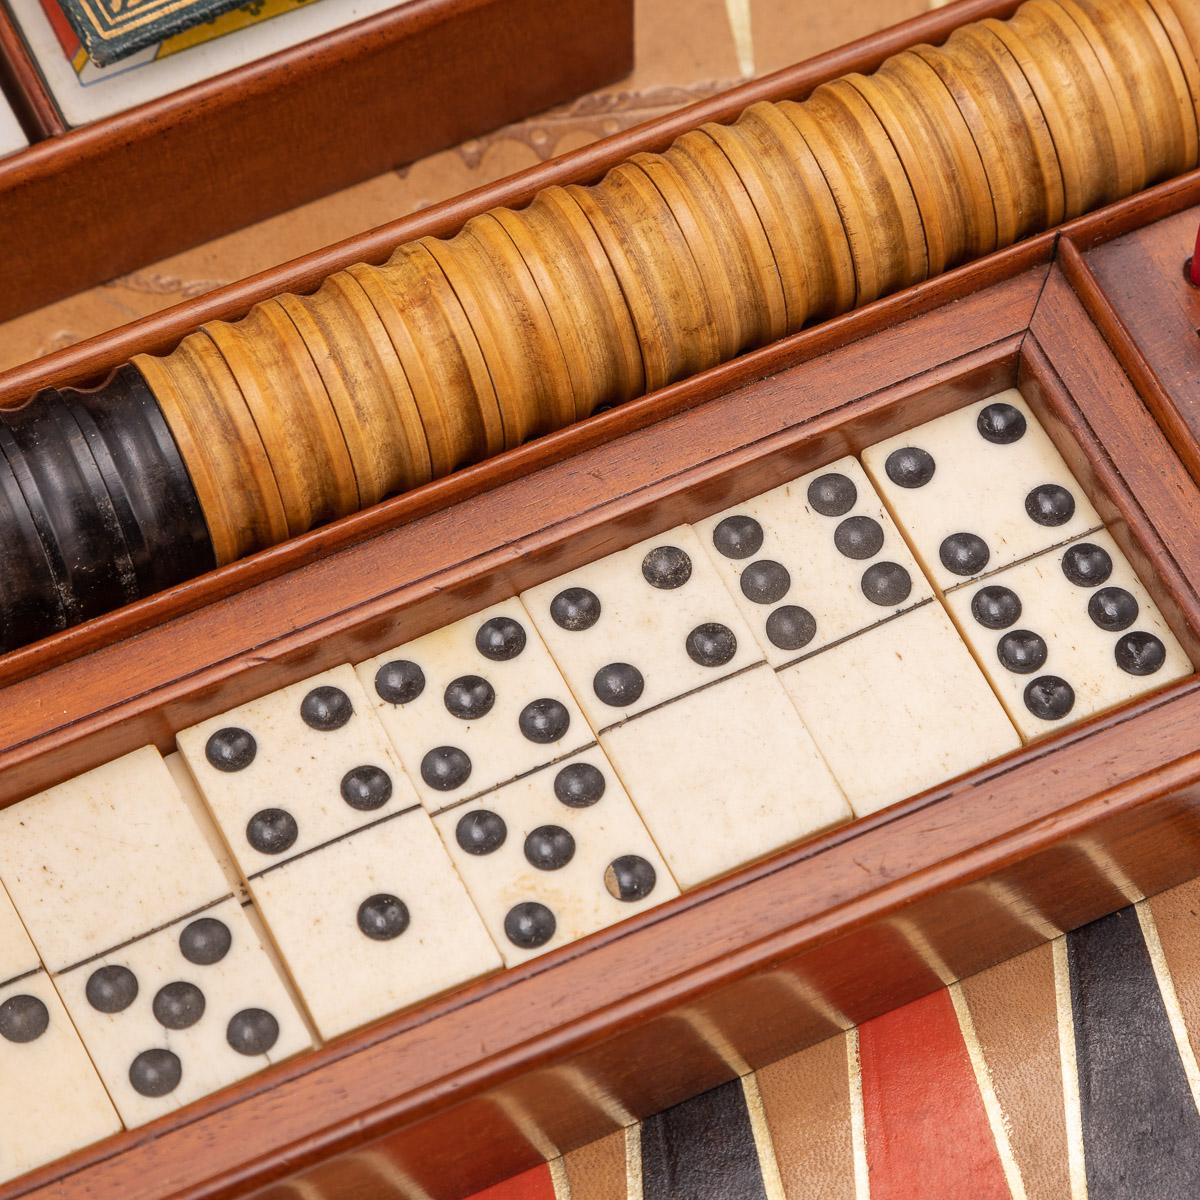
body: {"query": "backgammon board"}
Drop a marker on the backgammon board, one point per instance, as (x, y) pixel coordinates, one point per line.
(1069, 1070)
(608, 683)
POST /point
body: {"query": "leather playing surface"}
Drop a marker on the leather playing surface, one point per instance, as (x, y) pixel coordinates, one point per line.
(1067, 1072)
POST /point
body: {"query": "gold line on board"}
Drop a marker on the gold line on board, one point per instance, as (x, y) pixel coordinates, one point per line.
(1170, 998)
(858, 1123)
(759, 1125)
(987, 1092)
(633, 1162)
(1072, 1112)
(559, 1179)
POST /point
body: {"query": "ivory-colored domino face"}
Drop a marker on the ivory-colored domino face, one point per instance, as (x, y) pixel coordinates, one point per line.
(117, 885)
(182, 1011)
(346, 872)
(641, 627)
(217, 846)
(51, 1097)
(474, 705)
(101, 859)
(555, 856)
(1068, 634)
(979, 488)
(373, 923)
(900, 708)
(725, 775)
(296, 769)
(814, 561)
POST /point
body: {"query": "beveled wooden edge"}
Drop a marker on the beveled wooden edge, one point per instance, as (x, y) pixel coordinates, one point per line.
(1105, 315)
(1084, 363)
(1095, 416)
(448, 559)
(89, 361)
(1077, 241)
(26, 91)
(1163, 200)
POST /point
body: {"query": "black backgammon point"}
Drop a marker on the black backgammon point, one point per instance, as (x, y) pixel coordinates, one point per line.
(96, 507)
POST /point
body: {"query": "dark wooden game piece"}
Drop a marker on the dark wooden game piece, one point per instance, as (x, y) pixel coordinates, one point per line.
(97, 480)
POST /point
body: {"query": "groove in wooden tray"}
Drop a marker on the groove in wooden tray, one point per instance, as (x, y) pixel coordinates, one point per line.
(454, 546)
(357, 599)
(515, 464)
(1163, 200)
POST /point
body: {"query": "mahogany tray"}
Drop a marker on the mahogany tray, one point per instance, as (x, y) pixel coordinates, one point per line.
(91, 203)
(478, 1085)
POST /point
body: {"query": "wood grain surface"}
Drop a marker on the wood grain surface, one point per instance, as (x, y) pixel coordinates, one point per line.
(750, 968)
(423, 76)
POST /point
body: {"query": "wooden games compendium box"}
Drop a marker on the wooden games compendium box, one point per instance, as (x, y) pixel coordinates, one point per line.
(472, 1086)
